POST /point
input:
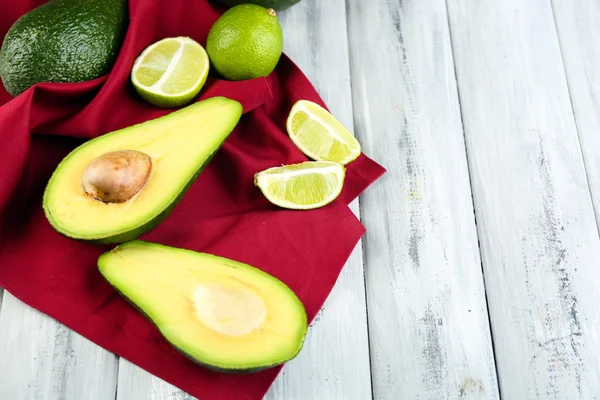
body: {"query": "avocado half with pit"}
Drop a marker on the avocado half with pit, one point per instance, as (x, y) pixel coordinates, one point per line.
(220, 313)
(120, 185)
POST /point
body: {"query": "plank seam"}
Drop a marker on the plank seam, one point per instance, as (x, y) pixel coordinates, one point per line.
(575, 122)
(364, 249)
(460, 106)
(117, 378)
(360, 206)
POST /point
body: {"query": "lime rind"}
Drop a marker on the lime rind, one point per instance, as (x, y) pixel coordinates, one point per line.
(264, 179)
(153, 94)
(341, 135)
(246, 42)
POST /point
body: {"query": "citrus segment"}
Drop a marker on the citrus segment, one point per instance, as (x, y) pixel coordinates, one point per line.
(303, 186)
(170, 72)
(319, 135)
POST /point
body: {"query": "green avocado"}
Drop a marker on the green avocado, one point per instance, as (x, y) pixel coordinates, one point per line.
(220, 313)
(63, 41)
(277, 5)
(115, 187)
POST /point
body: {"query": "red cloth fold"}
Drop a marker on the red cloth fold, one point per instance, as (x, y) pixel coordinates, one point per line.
(222, 213)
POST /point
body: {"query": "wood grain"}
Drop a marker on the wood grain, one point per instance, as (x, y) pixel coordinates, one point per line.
(334, 363)
(528, 148)
(428, 322)
(42, 359)
(539, 242)
(136, 384)
(579, 37)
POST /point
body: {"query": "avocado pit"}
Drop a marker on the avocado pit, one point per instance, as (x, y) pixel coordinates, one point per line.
(117, 176)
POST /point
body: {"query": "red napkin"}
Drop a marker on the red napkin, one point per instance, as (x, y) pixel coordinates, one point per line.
(223, 213)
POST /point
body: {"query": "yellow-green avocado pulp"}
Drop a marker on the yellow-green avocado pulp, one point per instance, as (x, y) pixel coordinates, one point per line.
(220, 313)
(180, 145)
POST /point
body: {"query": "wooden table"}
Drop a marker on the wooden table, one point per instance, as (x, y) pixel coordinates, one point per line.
(478, 277)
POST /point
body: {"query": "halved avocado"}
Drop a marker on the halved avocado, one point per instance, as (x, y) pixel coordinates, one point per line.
(222, 314)
(120, 185)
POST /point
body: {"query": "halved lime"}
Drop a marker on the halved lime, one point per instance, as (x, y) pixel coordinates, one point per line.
(319, 135)
(303, 186)
(170, 72)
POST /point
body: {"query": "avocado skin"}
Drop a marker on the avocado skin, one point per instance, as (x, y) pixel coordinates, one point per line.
(134, 232)
(233, 371)
(277, 5)
(214, 368)
(137, 232)
(63, 41)
(211, 367)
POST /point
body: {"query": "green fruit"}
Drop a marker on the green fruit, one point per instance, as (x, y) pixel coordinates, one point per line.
(62, 41)
(302, 186)
(120, 185)
(171, 72)
(245, 42)
(277, 5)
(220, 313)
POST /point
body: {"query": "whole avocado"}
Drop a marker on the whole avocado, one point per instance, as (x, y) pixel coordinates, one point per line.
(277, 5)
(63, 41)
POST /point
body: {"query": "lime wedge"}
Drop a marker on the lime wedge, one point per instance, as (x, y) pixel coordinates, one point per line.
(319, 135)
(303, 186)
(170, 72)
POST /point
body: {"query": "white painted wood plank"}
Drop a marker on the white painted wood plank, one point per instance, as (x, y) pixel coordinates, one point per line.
(579, 36)
(43, 360)
(334, 363)
(428, 323)
(136, 384)
(539, 242)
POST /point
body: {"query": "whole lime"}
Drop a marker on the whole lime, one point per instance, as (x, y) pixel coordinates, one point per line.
(245, 42)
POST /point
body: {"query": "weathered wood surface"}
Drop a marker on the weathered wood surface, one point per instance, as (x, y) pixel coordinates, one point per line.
(135, 383)
(334, 363)
(41, 359)
(428, 323)
(539, 242)
(579, 33)
(531, 122)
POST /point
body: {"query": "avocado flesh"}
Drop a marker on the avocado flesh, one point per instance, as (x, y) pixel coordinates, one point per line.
(220, 313)
(63, 41)
(180, 145)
